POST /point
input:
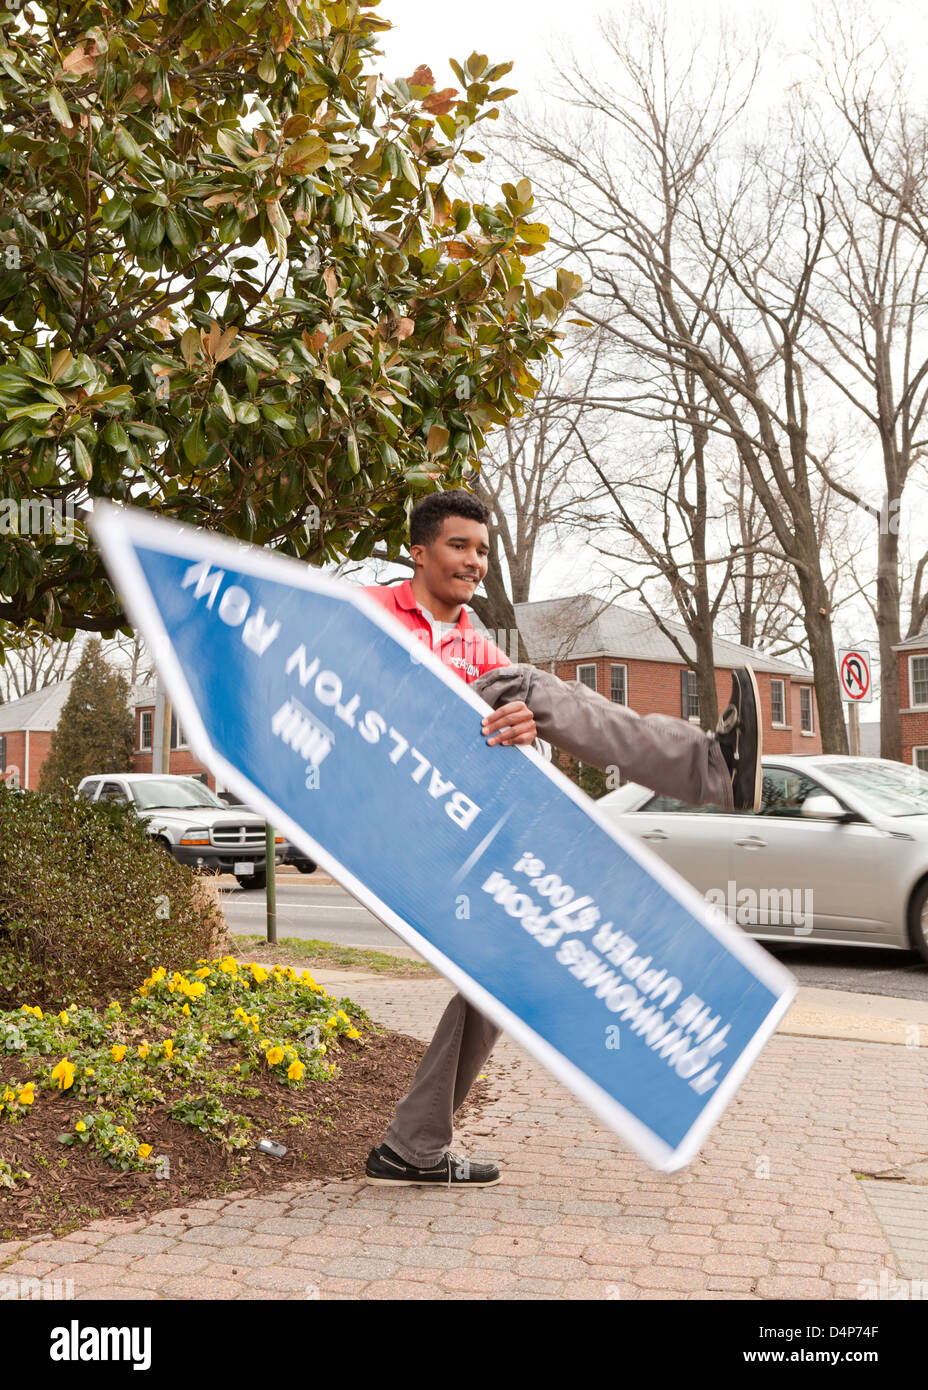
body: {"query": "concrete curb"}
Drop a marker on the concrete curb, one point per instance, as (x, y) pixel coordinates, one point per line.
(842, 1015)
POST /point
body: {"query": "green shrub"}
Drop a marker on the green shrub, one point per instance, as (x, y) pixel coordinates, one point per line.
(88, 902)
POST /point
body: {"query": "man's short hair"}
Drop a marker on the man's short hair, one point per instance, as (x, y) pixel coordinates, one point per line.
(428, 516)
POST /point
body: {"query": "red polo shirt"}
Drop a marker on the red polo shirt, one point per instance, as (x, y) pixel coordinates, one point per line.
(464, 650)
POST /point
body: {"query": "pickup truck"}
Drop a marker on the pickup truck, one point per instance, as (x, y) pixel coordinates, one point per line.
(190, 821)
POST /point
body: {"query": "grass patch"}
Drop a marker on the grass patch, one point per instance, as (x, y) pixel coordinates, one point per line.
(325, 953)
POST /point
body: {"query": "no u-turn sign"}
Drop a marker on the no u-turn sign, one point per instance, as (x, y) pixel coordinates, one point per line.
(854, 671)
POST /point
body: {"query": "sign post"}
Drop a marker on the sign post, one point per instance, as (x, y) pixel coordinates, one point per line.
(856, 689)
(315, 707)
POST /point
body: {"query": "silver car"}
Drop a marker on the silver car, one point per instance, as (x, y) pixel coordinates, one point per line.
(838, 851)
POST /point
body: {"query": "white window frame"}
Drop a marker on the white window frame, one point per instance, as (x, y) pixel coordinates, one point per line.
(148, 714)
(913, 704)
(778, 723)
(588, 666)
(176, 728)
(619, 666)
(691, 695)
(919, 748)
(810, 732)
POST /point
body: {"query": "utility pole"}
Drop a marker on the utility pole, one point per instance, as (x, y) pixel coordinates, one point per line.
(161, 740)
(270, 884)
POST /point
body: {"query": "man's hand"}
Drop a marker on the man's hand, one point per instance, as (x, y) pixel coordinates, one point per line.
(510, 724)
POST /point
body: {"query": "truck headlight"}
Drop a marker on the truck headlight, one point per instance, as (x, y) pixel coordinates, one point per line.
(199, 835)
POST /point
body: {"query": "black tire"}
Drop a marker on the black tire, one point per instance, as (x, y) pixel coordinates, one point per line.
(252, 880)
(918, 920)
(306, 866)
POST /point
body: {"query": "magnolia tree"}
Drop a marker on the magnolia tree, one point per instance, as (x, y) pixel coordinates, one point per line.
(237, 287)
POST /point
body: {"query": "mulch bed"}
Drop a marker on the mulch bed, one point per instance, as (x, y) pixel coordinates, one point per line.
(341, 1119)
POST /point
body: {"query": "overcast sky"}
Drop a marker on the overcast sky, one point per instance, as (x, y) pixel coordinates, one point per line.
(531, 31)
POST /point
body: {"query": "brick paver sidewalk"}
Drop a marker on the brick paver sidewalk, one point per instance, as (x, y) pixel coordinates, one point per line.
(771, 1207)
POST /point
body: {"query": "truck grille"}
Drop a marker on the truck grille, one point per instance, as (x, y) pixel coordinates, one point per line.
(233, 836)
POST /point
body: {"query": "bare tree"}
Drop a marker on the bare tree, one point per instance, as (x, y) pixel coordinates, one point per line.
(534, 480)
(699, 255)
(35, 662)
(870, 300)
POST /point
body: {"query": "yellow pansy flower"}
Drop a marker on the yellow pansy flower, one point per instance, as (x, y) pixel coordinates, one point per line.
(186, 1009)
(143, 1050)
(89, 1071)
(63, 1017)
(64, 1074)
(120, 1129)
(144, 1150)
(168, 1047)
(80, 1127)
(119, 1051)
(352, 1033)
(295, 1071)
(115, 1007)
(204, 973)
(259, 974)
(26, 1096)
(275, 1055)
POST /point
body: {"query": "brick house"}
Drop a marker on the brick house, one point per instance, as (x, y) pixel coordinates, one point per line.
(912, 656)
(622, 654)
(615, 650)
(26, 728)
(147, 712)
(27, 725)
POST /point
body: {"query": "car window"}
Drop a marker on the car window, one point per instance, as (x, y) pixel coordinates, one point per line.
(89, 789)
(665, 804)
(112, 791)
(784, 791)
(173, 794)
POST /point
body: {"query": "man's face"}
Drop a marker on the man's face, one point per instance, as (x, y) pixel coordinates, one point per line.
(455, 562)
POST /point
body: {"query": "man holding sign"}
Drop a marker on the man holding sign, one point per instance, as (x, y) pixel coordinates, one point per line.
(449, 546)
(276, 671)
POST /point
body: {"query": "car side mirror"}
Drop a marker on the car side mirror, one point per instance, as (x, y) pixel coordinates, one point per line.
(823, 808)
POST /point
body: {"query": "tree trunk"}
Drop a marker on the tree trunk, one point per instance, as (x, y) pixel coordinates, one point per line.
(887, 622)
(817, 622)
(496, 611)
(705, 680)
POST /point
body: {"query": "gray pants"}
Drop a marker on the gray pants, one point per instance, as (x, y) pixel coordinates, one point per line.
(421, 1128)
(669, 755)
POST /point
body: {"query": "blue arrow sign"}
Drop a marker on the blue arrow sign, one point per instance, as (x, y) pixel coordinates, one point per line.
(314, 706)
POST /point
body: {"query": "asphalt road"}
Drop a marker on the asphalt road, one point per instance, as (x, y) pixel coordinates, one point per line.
(327, 913)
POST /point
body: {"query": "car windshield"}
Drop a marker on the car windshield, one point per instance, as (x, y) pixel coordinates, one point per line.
(893, 788)
(168, 794)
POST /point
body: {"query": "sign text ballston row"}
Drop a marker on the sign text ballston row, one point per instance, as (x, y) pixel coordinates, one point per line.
(315, 707)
